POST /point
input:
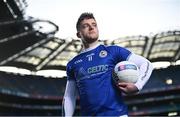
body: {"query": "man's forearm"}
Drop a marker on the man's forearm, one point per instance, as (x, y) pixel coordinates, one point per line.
(69, 100)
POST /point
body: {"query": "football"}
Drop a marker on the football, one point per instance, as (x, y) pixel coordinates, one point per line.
(126, 71)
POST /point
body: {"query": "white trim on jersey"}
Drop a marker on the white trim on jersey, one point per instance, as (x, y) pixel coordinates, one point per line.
(123, 116)
(90, 48)
(145, 68)
(69, 100)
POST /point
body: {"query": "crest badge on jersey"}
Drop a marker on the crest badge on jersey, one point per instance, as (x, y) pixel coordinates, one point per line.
(103, 54)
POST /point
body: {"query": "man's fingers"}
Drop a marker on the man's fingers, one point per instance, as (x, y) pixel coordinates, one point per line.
(122, 84)
(124, 90)
(127, 87)
(122, 87)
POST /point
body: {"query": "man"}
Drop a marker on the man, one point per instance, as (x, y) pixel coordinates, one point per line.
(89, 74)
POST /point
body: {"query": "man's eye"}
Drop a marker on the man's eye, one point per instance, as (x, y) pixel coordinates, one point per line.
(94, 25)
(85, 26)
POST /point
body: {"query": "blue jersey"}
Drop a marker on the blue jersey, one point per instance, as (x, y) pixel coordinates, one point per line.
(92, 71)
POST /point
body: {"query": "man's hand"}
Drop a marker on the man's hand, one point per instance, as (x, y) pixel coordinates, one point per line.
(127, 88)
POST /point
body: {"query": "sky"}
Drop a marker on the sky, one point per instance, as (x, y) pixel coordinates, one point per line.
(115, 18)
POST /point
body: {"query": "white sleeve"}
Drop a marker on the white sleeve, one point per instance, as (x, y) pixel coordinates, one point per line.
(145, 68)
(69, 100)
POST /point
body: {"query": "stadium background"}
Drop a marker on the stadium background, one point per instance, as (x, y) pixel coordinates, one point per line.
(24, 46)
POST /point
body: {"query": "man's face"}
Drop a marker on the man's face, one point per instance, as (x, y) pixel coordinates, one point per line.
(89, 32)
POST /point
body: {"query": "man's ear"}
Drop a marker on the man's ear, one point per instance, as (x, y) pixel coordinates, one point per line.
(78, 34)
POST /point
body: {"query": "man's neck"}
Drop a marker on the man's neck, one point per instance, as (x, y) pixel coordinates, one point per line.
(91, 46)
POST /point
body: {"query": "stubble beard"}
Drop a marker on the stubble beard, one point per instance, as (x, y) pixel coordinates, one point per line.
(91, 39)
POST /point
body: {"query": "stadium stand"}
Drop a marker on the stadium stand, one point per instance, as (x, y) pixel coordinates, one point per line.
(24, 46)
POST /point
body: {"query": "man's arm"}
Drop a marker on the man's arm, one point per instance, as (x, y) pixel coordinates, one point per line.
(145, 70)
(69, 100)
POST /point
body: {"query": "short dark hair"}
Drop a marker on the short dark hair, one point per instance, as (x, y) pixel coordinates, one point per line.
(83, 16)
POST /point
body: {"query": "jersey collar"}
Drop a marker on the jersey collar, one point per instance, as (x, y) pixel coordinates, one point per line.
(90, 48)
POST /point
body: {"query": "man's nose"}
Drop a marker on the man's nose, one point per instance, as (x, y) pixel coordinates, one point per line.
(91, 27)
